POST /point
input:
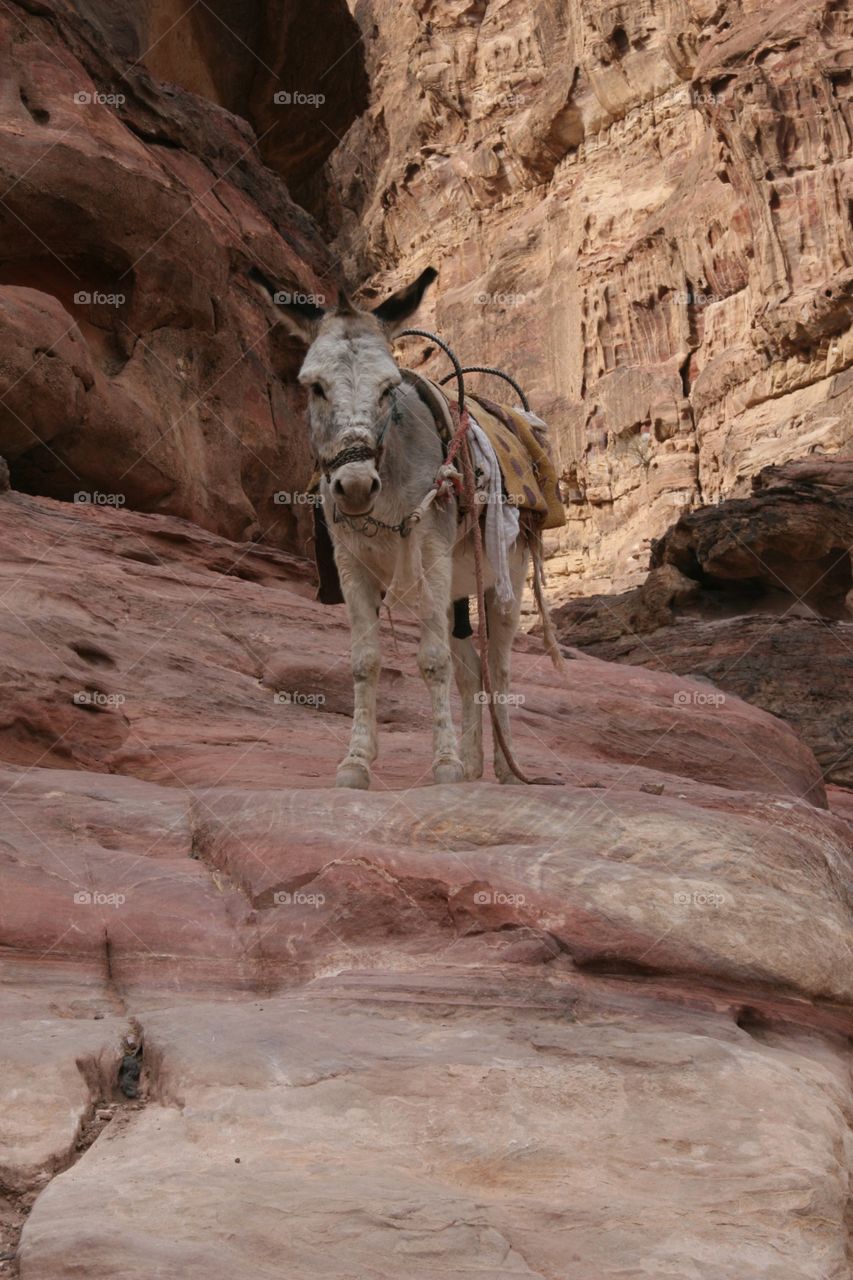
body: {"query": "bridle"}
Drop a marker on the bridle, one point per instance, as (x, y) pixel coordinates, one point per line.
(368, 525)
(368, 453)
(364, 452)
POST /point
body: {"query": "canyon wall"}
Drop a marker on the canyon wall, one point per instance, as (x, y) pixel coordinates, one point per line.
(643, 211)
(142, 152)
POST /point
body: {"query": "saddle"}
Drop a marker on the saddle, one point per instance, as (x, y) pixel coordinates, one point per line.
(520, 442)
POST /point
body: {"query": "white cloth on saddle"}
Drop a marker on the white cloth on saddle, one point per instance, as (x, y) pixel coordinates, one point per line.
(501, 519)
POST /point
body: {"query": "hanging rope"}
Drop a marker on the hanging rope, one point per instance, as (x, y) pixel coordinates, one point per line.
(462, 445)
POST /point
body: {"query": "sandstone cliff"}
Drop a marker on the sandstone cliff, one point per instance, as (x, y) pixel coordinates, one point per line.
(644, 211)
(136, 364)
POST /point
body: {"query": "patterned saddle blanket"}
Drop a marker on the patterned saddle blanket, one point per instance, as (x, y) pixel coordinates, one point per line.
(520, 441)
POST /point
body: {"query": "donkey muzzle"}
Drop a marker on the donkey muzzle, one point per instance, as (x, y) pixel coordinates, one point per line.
(355, 488)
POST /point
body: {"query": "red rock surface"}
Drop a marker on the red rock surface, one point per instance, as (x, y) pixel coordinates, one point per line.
(753, 595)
(135, 359)
(430, 1028)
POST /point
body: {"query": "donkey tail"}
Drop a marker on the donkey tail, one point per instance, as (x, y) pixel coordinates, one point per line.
(552, 645)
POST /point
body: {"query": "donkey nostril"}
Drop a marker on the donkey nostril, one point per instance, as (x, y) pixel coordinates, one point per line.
(374, 484)
(337, 488)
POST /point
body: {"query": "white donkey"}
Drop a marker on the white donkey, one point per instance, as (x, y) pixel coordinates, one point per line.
(379, 452)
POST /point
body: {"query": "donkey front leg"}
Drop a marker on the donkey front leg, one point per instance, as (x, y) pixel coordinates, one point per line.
(363, 599)
(466, 666)
(435, 663)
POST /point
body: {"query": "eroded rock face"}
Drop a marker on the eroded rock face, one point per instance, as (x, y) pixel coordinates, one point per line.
(423, 1028)
(135, 359)
(643, 211)
(753, 595)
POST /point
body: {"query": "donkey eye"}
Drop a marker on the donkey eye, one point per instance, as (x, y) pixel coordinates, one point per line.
(318, 390)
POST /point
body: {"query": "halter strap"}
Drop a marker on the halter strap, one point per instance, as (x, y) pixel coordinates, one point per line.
(364, 452)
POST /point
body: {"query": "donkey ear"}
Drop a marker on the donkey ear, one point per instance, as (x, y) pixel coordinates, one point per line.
(300, 313)
(397, 309)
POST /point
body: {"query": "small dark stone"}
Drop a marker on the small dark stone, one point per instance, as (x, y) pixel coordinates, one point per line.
(128, 1075)
(652, 788)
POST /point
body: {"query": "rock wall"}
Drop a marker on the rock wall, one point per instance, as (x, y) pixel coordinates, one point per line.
(136, 365)
(754, 595)
(644, 211)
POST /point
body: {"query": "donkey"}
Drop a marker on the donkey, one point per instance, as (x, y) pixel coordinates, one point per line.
(379, 451)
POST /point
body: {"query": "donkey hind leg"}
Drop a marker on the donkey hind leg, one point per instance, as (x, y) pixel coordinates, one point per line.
(363, 600)
(435, 662)
(502, 622)
(466, 669)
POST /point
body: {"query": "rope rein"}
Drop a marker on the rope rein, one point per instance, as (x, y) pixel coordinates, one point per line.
(469, 487)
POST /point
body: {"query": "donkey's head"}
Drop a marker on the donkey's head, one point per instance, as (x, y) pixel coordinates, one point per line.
(351, 378)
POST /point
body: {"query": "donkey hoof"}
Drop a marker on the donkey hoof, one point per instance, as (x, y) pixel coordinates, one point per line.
(448, 771)
(353, 775)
